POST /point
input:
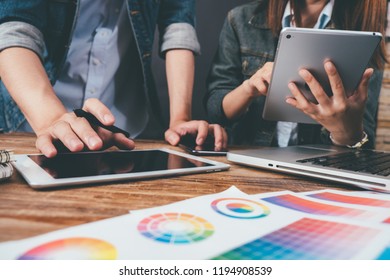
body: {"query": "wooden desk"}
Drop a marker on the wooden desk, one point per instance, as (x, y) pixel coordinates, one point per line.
(25, 212)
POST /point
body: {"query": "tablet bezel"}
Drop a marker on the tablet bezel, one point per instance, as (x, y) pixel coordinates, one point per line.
(38, 178)
(309, 48)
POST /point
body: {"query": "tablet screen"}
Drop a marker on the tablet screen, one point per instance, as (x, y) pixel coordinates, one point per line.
(72, 165)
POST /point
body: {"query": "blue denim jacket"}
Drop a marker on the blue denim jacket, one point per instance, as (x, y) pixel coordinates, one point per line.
(54, 20)
(246, 44)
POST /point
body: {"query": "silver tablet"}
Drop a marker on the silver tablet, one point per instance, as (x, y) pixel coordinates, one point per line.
(298, 48)
(106, 166)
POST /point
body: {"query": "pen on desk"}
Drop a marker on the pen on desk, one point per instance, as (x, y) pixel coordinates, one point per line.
(93, 120)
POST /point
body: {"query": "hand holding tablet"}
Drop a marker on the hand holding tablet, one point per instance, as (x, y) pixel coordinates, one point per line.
(309, 49)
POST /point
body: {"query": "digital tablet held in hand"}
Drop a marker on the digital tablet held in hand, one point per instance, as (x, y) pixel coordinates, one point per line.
(188, 143)
(105, 166)
(299, 48)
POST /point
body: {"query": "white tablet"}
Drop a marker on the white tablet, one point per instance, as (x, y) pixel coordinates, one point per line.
(106, 166)
(299, 48)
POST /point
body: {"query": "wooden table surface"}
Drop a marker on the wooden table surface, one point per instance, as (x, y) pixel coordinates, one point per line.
(25, 212)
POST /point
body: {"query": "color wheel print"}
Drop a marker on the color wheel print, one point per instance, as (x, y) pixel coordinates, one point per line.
(240, 208)
(77, 248)
(175, 228)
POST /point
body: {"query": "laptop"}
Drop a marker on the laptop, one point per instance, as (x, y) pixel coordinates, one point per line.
(369, 169)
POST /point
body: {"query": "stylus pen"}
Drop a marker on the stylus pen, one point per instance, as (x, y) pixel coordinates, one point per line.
(93, 120)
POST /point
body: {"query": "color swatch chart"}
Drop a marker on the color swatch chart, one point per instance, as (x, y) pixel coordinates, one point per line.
(318, 225)
(306, 239)
(240, 208)
(176, 228)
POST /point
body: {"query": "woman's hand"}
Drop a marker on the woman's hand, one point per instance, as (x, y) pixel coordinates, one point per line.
(258, 84)
(341, 115)
(237, 102)
(77, 134)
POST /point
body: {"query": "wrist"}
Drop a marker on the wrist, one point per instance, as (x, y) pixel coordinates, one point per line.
(176, 121)
(354, 144)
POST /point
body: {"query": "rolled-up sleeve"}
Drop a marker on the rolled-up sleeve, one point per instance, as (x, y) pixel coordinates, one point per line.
(21, 34)
(180, 36)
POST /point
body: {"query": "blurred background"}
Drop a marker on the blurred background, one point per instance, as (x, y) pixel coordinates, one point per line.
(210, 15)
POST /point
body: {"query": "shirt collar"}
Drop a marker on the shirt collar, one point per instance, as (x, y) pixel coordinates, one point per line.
(322, 21)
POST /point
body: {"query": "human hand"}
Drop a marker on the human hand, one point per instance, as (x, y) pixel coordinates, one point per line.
(257, 85)
(200, 129)
(77, 134)
(341, 115)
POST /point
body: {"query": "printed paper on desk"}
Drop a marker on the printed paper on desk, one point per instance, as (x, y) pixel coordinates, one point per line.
(244, 227)
(203, 227)
(223, 225)
(312, 236)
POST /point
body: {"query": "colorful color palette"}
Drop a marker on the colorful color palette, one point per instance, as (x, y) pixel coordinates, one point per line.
(240, 208)
(78, 248)
(346, 198)
(175, 228)
(313, 207)
(306, 239)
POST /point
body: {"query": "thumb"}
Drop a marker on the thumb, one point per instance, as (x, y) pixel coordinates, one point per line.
(172, 137)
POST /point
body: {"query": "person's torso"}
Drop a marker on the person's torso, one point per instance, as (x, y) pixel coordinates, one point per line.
(103, 63)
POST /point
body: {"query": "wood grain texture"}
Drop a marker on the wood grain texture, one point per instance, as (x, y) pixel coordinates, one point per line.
(25, 212)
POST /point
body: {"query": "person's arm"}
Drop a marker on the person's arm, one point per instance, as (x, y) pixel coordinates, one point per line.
(179, 43)
(180, 77)
(25, 78)
(180, 66)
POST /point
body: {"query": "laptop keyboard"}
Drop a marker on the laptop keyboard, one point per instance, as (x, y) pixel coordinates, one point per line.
(366, 161)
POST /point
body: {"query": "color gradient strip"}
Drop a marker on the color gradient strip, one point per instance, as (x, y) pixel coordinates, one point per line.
(317, 208)
(344, 198)
(306, 239)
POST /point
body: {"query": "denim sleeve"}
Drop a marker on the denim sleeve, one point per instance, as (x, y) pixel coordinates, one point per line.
(175, 11)
(176, 25)
(31, 11)
(225, 73)
(21, 34)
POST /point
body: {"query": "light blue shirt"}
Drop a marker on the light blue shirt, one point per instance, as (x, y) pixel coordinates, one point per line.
(103, 63)
(287, 132)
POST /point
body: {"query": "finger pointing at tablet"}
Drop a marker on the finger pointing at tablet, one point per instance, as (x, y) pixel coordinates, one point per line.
(77, 133)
